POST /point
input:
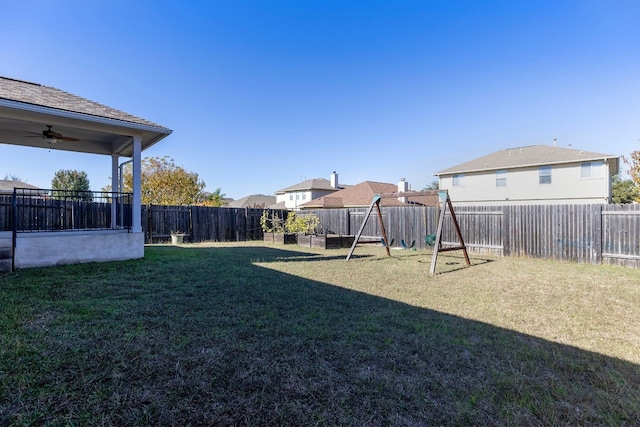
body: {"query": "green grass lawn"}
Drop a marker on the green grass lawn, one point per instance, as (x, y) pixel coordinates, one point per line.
(247, 334)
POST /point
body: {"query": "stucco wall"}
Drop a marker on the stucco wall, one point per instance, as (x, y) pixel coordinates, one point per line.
(45, 249)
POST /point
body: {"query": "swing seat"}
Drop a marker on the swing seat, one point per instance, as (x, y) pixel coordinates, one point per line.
(405, 246)
(430, 239)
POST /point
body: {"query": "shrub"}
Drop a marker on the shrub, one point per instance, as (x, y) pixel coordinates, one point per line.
(271, 223)
(301, 224)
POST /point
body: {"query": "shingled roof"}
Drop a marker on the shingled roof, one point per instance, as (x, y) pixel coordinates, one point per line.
(45, 96)
(310, 184)
(533, 155)
(361, 195)
(7, 186)
(253, 201)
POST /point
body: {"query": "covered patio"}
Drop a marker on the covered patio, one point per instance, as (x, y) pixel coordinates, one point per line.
(39, 116)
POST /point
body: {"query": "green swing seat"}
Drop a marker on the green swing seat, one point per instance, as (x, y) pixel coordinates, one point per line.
(430, 239)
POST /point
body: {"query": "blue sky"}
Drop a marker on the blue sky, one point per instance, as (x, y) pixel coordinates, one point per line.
(263, 94)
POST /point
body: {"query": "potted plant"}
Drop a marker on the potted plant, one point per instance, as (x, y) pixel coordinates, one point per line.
(177, 237)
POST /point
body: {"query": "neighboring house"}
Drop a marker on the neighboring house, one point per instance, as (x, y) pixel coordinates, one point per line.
(292, 197)
(7, 186)
(536, 174)
(361, 195)
(253, 201)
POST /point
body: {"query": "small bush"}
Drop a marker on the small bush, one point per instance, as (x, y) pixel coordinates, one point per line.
(271, 223)
(301, 224)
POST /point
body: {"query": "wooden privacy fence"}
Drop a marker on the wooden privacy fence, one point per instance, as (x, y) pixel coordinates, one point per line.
(202, 223)
(608, 234)
(5, 213)
(595, 234)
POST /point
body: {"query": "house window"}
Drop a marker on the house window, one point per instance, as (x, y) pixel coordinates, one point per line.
(592, 169)
(297, 196)
(501, 178)
(291, 196)
(544, 174)
(304, 196)
(457, 180)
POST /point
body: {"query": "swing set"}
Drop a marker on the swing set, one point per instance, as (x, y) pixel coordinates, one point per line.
(445, 203)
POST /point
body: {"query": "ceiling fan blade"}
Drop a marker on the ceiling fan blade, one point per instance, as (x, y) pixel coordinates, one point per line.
(67, 138)
(33, 134)
(50, 134)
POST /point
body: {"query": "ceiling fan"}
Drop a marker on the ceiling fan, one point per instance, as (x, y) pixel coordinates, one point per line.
(51, 136)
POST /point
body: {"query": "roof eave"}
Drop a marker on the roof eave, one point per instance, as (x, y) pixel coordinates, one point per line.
(39, 109)
(526, 165)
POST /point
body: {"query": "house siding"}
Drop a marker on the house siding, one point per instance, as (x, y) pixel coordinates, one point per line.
(300, 197)
(523, 186)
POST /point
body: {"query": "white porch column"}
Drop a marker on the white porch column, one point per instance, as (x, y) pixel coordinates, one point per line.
(137, 188)
(114, 187)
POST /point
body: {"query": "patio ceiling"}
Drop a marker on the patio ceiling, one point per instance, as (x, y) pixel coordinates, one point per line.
(28, 108)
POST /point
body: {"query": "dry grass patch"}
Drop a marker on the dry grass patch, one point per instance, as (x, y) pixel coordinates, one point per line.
(243, 334)
(593, 307)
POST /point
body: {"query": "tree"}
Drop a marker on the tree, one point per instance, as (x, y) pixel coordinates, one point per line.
(215, 199)
(164, 183)
(624, 191)
(435, 185)
(12, 177)
(65, 181)
(633, 161)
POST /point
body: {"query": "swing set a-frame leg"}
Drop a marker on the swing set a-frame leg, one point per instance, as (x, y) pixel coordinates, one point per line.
(375, 202)
(445, 202)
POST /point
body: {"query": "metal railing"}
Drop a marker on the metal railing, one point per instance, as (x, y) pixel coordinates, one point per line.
(37, 210)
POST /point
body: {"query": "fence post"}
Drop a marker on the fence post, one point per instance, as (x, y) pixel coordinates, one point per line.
(506, 230)
(149, 220)
(596, 234)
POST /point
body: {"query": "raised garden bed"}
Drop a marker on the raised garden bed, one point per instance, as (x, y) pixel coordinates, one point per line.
(281, 238)
(331, 241)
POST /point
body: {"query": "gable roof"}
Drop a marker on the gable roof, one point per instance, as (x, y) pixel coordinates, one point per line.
(45, 96)
(7, 186)
(279, 205)
(310, 184)
(361, 195)
(254, 200)
(27, 108)
(532, 155)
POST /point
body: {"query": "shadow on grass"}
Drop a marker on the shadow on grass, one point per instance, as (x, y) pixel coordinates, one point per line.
(447, 262)
(203, 336)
